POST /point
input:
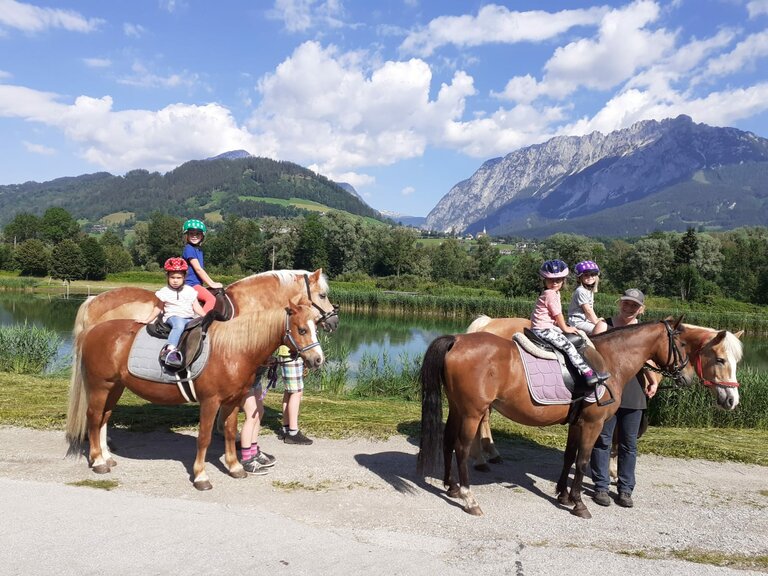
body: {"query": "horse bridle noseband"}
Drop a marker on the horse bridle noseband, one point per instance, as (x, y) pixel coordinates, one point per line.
(324, 316)
(704, 381)
(290, 340)
(673, 369)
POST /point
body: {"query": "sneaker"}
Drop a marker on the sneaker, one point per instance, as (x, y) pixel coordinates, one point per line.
(264, 459)
(252, 466)
(297, 438)
(625, 500)
(601, 497)
(174, 359)
(281, 433)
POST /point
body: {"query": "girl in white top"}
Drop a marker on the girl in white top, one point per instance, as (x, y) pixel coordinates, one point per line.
(581, 311)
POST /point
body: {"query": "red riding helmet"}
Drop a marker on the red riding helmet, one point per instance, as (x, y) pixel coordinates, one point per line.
(175, 265)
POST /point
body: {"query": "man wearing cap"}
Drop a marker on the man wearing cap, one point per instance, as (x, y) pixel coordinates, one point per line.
(634, 401)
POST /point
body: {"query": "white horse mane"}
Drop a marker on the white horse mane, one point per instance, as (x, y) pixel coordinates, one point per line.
(288, 276)
(733, 346)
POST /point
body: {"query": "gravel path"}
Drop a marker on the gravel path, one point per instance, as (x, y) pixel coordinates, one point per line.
(355, 506)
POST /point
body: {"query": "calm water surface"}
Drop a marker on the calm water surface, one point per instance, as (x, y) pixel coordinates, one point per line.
(360, 335)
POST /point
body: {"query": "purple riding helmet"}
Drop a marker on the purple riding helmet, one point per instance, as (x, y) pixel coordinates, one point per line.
(553, 269)
(586, 266)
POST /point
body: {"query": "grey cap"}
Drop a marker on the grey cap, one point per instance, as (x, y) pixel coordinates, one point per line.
(634, 295)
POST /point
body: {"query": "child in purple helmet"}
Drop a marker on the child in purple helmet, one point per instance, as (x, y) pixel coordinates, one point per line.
(581, 311)
(547, 320)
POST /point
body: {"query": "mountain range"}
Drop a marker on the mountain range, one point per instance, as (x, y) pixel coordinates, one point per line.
(655, 175)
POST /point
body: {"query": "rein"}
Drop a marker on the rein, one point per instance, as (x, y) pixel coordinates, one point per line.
(673, 369)
(710, 383)
(324, 316)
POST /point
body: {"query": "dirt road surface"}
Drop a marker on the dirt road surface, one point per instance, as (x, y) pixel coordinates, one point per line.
(347, 507)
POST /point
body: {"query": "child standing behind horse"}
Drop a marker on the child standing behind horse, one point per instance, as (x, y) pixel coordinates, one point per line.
(194, 234)
(581, 312)
(547, 320)
(179, 305)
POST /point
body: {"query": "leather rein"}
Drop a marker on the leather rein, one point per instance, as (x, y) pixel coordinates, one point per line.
(324, 316)
(675, 363)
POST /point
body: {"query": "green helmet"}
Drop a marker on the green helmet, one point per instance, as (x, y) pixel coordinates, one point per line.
(193, 224)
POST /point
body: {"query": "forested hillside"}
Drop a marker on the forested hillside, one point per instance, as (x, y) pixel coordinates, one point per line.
(192, 189)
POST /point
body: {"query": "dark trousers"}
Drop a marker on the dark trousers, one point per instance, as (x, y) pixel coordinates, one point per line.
(601, 454)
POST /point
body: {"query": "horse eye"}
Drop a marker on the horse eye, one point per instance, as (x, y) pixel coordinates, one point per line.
(323, 296)
(302, 331)
(721, 361)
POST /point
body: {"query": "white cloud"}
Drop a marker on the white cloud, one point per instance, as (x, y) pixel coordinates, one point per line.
(757, 7)
(4, 74)
(39, 149)
(744, 55)
(322, 107)
(496, 24)
(301, 15)
(29, 18)
(119, 141)
(622, 47)
(133, 30)
(144, 78)
(97, 62)
(407, 191)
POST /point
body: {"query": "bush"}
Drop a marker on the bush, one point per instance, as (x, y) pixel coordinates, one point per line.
(27, 349)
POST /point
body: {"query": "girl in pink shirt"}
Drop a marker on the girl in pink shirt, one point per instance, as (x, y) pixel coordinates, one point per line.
(547, 320)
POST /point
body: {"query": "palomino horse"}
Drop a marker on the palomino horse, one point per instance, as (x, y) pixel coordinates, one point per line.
(480, 370)
(237, 348)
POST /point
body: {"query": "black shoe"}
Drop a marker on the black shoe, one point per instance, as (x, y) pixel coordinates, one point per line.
(625, 500)
(297, 438)
(601, 497)
(264, 459)
(281, 434)
(252, 466)
(174, 359)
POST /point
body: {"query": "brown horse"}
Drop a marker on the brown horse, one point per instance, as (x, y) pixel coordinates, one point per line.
(480, 370)
(237, 348)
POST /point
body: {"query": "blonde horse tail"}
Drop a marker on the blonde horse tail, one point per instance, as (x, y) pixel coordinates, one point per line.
(479, 323)
(78, 401)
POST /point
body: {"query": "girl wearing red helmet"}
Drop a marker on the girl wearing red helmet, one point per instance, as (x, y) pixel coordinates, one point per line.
(179, 305)
(581, 311)
(547, 320)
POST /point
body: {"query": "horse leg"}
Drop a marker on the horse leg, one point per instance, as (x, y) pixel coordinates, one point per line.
(489, 447)
(450, 436)
(97, 430)
(468, 430)
(228, 414)
(114, 395)
(569, 457)
(589, 433)
(208, 408)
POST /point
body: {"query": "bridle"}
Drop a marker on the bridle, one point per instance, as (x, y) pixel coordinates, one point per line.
(324, 316)
(704, 381)
(290, 340)
(675, 362)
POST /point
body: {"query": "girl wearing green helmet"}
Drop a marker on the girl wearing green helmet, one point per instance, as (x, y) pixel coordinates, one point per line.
(194, 234)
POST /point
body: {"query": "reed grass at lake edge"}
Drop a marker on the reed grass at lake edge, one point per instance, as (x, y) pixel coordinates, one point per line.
(41, 403)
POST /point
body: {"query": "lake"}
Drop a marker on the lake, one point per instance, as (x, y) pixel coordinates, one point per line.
(360, 335)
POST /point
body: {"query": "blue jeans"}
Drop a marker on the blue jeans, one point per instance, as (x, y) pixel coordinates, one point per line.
(177, 327)
(601, 453)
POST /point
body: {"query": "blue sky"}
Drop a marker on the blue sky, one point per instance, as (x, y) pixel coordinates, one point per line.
(401, 98)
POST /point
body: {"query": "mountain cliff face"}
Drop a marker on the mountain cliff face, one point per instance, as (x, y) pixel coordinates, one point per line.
(569, 179)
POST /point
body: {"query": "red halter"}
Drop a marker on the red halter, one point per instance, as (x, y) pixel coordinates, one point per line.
(710, 383)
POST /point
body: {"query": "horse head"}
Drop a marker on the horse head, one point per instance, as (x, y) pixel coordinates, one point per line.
(715, 355)
(317, 292)
(301, 331)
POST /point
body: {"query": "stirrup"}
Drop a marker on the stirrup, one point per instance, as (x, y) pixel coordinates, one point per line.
(610, 400)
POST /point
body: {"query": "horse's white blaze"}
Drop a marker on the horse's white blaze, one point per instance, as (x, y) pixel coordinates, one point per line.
(105, 453)
(313, 333)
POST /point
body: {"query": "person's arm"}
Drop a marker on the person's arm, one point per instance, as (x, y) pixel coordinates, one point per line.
(590, 314)
(202, 274)
(155, 311)
(651, 382)
(560, 321)
(197, 308)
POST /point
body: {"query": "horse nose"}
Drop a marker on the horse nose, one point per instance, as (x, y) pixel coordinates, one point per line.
(317, 361)
(730, 401)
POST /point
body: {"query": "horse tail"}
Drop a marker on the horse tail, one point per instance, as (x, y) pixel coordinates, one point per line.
(431, 376)
(479, 323)
(78, 401)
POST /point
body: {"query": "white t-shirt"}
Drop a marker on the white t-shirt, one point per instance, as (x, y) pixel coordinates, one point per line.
(580, 297)
(177, 302)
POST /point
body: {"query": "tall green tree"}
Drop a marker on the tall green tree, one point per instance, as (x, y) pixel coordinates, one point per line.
(164, 237)
(32, 258)
(280, 238)
(311, 252)
(67, 262)
(486, 255)
(24, 226)
(94, 259)
(397, 250)
(651, 261)
(450, 261)
(57, 225)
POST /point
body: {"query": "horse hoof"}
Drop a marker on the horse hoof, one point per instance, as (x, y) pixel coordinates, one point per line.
(101, 469)
(496, 460)
(474, 511)
(111, 462)
(482, 468)
(582, 512)
(203, 485)
(454, 492)
(239, 473)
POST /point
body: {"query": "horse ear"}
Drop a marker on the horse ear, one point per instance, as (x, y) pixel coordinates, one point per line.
(739, 334)
(295, 302)
(316, 275)
(679, 321)
(718, 338)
